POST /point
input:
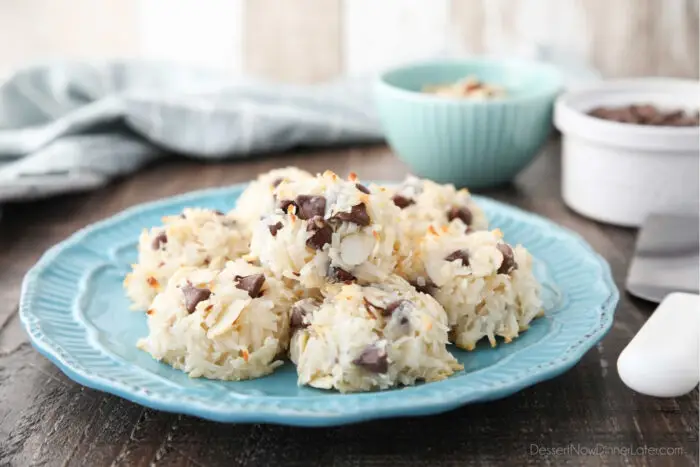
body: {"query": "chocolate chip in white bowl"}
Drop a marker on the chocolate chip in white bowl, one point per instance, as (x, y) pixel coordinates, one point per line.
(193, 295)
(646, 114)
(251, 284)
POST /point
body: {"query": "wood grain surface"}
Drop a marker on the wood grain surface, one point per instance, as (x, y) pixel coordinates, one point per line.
(46, 419)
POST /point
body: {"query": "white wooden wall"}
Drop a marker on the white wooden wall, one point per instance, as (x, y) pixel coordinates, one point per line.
(313, 40)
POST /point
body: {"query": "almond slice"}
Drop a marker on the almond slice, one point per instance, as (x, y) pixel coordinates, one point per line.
(356, 248)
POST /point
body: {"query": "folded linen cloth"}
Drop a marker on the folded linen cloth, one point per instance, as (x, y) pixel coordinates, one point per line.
(73, 126)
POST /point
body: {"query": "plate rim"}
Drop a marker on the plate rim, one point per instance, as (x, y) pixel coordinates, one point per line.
(275, 414)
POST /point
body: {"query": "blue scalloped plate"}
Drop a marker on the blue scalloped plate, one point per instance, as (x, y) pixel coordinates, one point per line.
(76, 314)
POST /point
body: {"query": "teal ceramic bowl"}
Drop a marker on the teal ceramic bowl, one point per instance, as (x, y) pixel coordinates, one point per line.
(468, 142)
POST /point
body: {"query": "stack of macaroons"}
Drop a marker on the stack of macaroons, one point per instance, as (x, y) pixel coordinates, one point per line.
(368, 282)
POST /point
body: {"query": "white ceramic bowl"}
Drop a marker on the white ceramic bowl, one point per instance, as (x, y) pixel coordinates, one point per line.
(618, 172)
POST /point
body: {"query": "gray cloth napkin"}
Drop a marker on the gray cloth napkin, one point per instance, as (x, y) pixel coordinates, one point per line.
(74, 126)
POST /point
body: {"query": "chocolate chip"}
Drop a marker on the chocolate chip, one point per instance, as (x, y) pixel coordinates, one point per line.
(393, 306)
(373, 359)
(336, 274)
(468, 230)
(427, 288)
(310, 206)
(274, 228)
(402, 202)
(159, 240)
(297, 319)
(645, 114)
(357, 215)
(462, 255)
(452, 335)
(194, 295)
(251, 284)
(669, 119)
(362, 188)
(276, 182)
(401, 315)
(228, 222)
(219, 213)
(285, 203)
(322, 233)
(688, 121)
(300, 310)
(508, 264)
(460, 212)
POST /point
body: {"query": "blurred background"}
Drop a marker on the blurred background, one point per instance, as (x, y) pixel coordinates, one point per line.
(306, 41)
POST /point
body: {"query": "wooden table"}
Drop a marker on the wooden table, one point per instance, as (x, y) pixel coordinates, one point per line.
(46, 419)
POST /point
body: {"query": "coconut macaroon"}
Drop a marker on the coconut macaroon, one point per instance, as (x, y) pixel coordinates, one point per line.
(424, 203)
(197, 237)
(258, 198)
(486, 286)
(230, 324)
(328, 230)
(362, 338)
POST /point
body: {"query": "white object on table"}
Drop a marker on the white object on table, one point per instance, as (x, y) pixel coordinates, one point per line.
(618, 172)
(662, 359)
